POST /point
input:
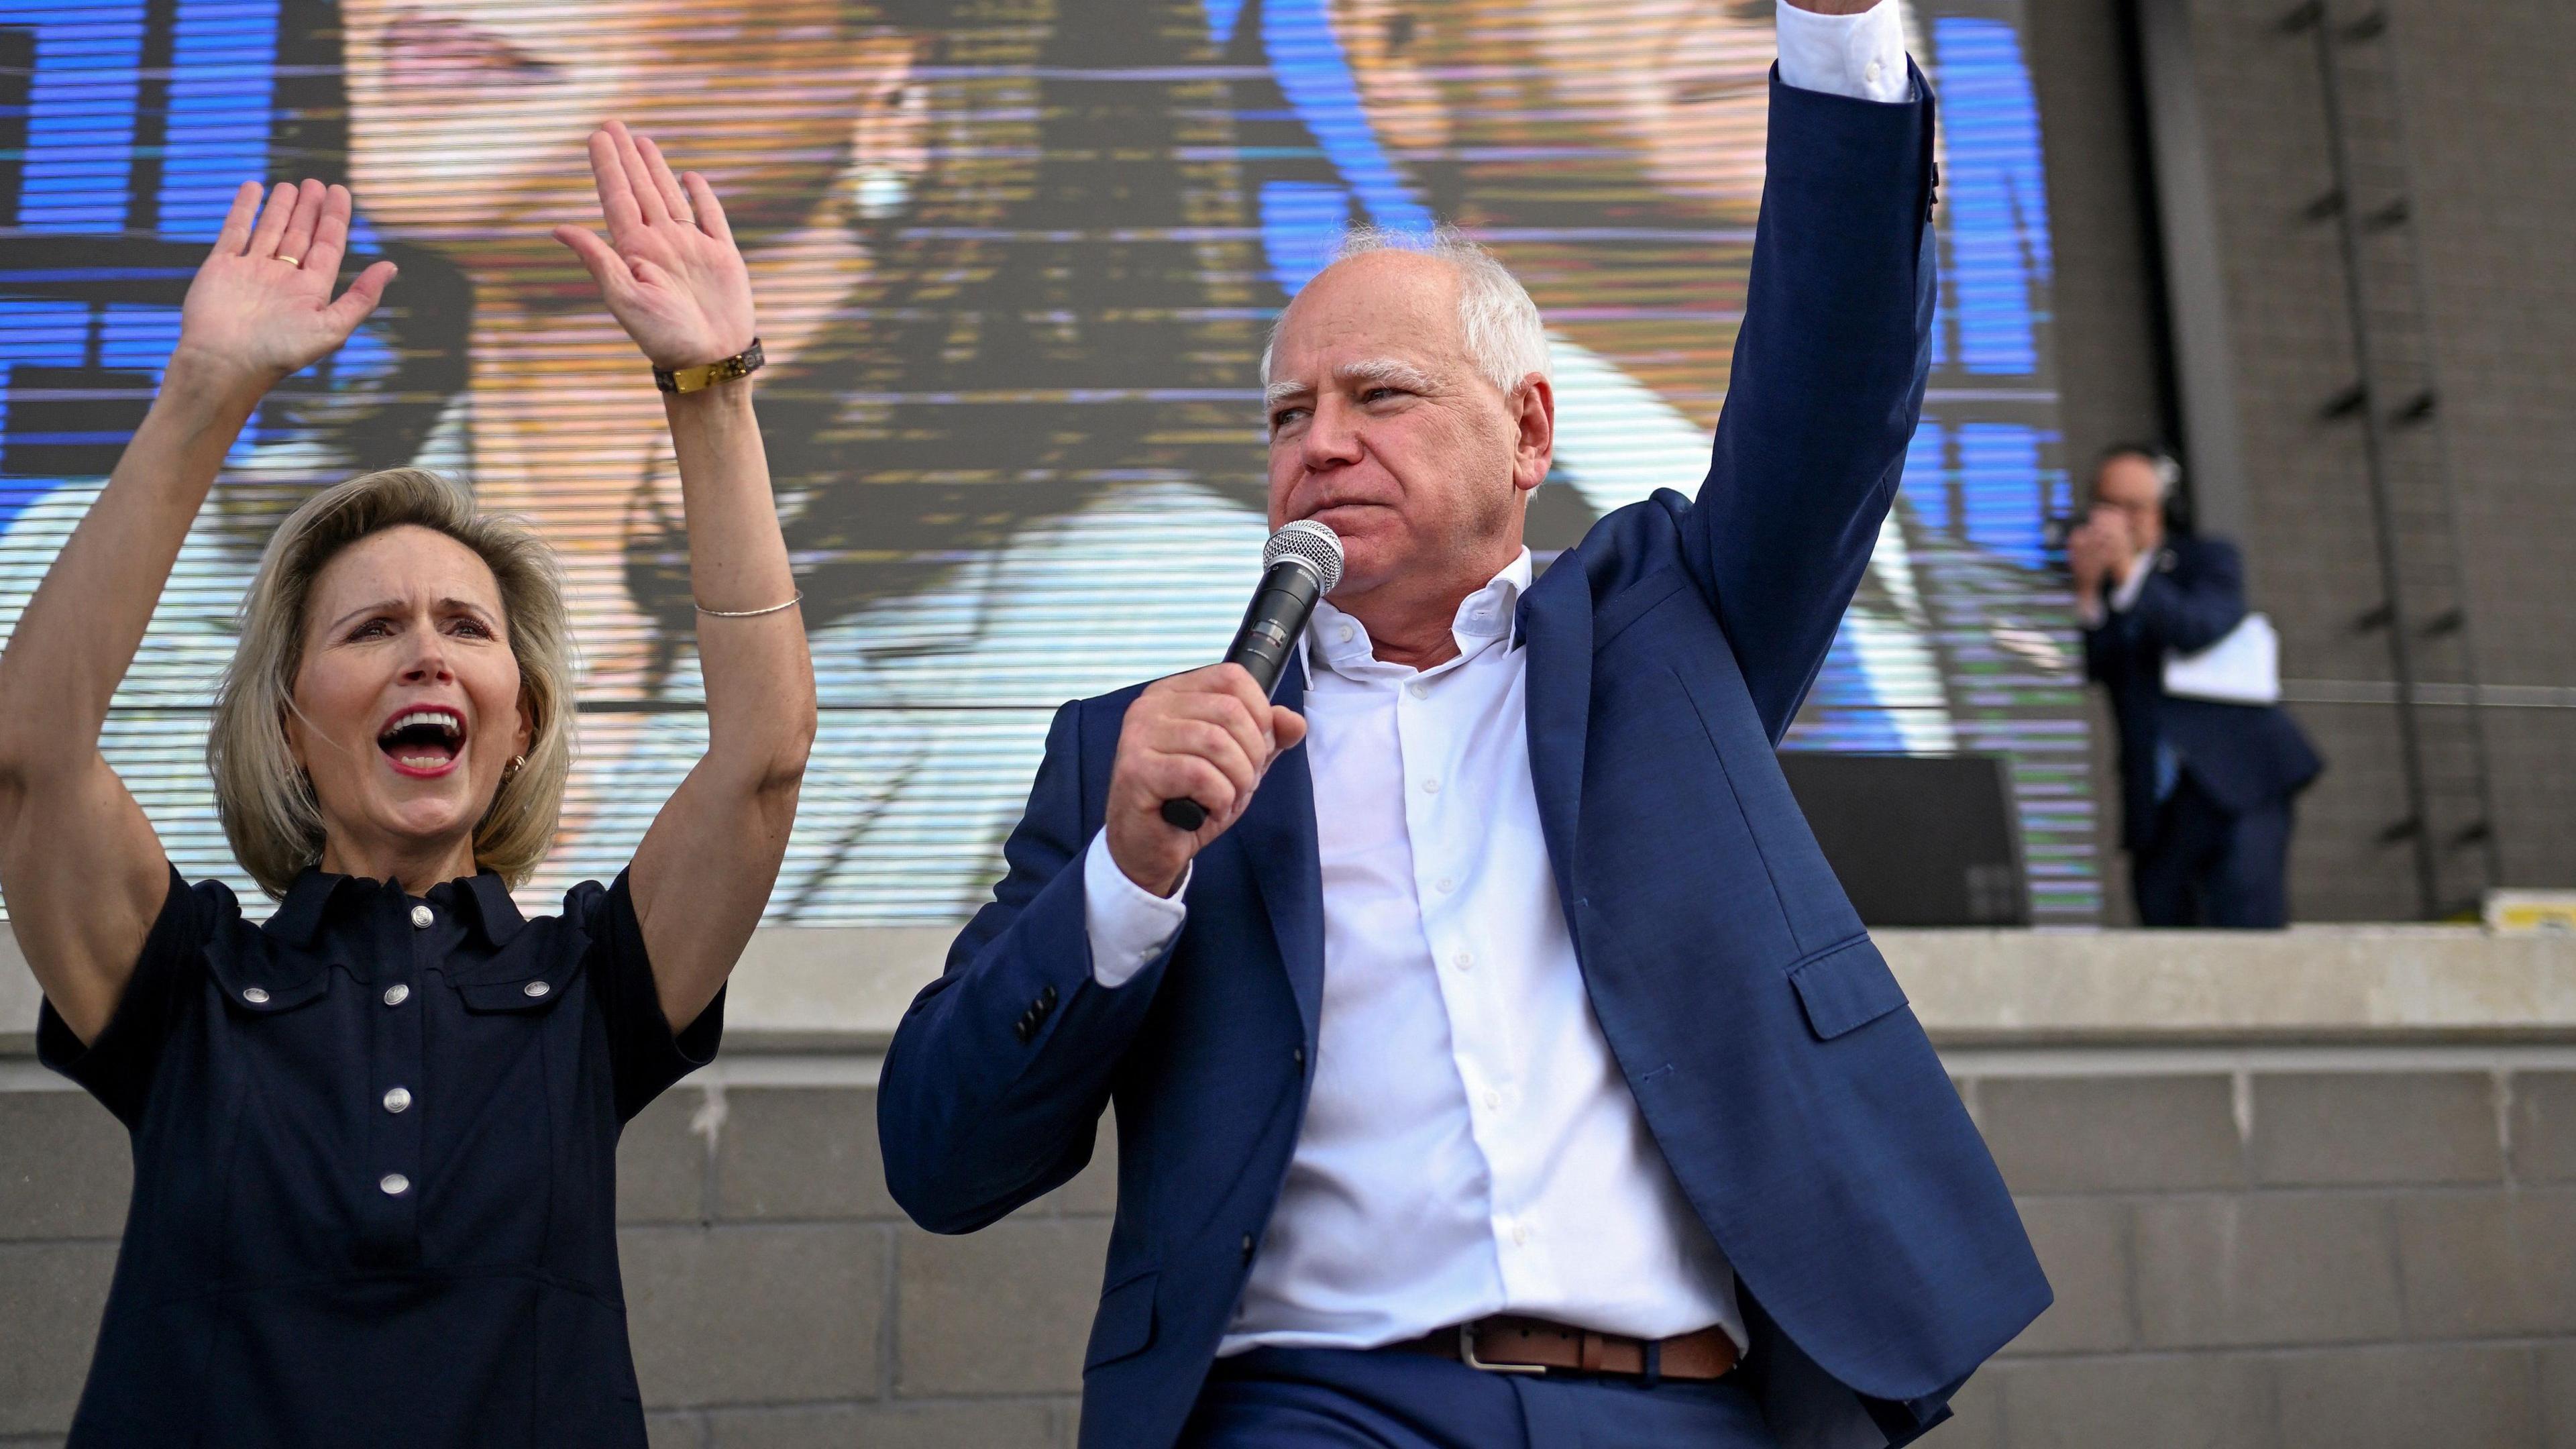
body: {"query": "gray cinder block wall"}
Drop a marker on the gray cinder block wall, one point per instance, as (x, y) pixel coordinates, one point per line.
(2310, 1191)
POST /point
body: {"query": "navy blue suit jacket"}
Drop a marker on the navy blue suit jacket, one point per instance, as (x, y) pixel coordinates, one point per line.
(2243, 755)
(1771, 1052)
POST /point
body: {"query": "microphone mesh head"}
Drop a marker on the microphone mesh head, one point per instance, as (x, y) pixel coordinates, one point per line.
(1309, 543)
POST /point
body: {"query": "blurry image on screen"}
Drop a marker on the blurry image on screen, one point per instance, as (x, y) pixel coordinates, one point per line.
(1016, 260)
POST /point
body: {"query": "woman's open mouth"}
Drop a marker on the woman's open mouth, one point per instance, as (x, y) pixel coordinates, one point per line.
(424, 741)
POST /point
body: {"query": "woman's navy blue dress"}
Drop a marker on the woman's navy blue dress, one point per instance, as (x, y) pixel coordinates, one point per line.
(375, 1169)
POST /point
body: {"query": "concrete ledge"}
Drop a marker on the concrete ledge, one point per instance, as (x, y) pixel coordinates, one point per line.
(825, 990)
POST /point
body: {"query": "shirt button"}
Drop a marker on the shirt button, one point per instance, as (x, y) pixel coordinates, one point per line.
(1430, 787)
(398, 1099)
(1298, 1055)
(1446, 884)
(255, 996)
(1876, 69)
(1418, 690)
(1520, 1234)
(1343, 634)
(1463, 961)
(1493, 1099)
(397, 994)
(394, 1184)
(535, 988)
(1247, 1245)
(420, 918)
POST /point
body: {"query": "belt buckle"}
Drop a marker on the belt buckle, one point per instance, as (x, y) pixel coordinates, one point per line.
(1467, 1356)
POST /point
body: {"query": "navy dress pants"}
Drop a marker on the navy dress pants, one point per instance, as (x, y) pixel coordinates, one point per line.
(2206, 867)
(1324, 1398)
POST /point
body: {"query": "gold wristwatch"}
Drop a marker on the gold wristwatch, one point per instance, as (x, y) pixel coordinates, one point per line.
(694, 379)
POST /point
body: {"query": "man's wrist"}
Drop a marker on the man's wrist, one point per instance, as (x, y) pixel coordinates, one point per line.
(1854, 50)
(1128, 925)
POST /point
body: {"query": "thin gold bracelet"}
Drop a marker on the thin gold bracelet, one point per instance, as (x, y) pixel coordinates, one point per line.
(749, 613)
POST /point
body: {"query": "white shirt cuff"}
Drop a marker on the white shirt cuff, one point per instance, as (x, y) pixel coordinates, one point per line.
(1861, 56)
(2125, 597)
(1128, 924)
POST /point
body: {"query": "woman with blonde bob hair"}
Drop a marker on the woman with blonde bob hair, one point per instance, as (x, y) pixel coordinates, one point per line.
(266, 800)
(375, 1135)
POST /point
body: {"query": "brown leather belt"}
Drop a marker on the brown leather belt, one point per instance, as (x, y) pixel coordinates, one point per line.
(1512, 1345)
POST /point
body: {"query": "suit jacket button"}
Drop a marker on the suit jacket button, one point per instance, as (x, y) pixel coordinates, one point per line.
(1024, 1029)
(1046, 998)
(1247, 1246)
(1298, 1055)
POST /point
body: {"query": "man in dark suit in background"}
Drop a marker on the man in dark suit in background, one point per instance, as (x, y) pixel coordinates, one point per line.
(1500, 1065)
(2205, 786)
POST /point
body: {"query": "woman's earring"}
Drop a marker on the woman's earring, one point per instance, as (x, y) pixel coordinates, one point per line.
(511, 770)
(878, 192)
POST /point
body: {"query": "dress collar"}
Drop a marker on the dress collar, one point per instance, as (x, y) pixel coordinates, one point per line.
(481, 900)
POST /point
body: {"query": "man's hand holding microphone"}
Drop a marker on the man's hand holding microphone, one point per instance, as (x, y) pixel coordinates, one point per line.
(1194, 746)
(1207, 736)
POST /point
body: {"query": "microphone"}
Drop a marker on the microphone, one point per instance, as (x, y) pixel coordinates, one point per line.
(1300, 564)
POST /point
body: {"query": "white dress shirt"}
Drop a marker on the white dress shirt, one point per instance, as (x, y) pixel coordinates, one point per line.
(1470, 1145)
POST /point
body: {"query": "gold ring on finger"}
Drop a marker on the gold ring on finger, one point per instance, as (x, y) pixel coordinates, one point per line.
(291, 261)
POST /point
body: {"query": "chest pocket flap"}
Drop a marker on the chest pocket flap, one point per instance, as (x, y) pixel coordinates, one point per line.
(1846, 987)
(265, 982)
(524, 978)
(531, 993)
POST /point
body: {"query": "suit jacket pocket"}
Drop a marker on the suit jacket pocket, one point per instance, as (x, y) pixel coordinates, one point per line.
(1125, 1323)
(1845, 987)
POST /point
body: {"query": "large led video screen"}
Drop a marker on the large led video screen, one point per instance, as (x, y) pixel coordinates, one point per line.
(1015, 261)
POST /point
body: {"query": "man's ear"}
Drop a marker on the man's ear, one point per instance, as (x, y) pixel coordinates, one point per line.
(1385, 41)
(1534, 421)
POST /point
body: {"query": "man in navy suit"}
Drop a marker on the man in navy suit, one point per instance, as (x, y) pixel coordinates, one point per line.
(2205, 786)
(1501, 1064)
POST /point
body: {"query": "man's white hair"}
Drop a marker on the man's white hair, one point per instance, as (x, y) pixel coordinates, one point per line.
(1506, 340)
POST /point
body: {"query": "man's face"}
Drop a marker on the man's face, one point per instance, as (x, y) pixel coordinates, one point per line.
(1382, 430)
(2129, 487)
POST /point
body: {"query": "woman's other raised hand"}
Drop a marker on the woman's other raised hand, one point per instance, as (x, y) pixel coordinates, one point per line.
(261, 305)
(669, 269)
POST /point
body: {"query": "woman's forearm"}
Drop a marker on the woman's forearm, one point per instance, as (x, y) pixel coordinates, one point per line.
(759, 682)
(80, 631)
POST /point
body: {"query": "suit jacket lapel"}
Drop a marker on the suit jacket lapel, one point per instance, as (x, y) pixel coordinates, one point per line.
(1556, 627)
(1278, 840)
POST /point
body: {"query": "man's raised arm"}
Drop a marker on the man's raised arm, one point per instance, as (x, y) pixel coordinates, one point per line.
(1830, 362)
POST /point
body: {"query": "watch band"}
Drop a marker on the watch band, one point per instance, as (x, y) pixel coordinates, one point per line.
(706, 375)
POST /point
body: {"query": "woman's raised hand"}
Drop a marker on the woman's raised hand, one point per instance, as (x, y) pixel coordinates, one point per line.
(669, 269)
(262, 302)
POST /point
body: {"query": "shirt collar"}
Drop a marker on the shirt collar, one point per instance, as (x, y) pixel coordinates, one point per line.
(481, 900)
(1483, 617)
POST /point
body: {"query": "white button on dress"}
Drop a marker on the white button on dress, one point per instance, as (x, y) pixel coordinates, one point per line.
(397, 994)
(420, 918)
(255, 996)
(398, 1099)
(394, 1184)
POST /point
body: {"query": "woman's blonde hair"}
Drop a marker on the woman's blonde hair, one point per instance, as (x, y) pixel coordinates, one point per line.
(265, 799)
